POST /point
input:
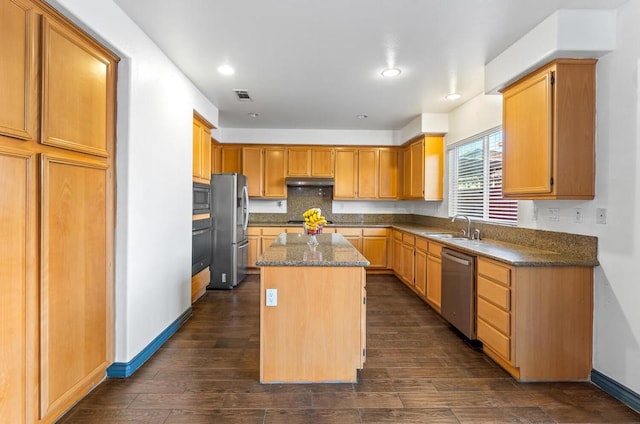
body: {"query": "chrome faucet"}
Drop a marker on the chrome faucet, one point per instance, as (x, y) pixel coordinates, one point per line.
(466, 233)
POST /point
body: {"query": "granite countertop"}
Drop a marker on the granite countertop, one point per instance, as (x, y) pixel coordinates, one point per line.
(508, 253)
(512, 254)
(293, 250)
(334, 225)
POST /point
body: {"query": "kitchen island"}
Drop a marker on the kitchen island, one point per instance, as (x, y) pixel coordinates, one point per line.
(313, 327)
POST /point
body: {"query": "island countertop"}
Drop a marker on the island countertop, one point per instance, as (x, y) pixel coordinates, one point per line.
(333, 250)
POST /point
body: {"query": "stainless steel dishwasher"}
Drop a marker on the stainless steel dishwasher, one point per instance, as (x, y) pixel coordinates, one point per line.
(459, 291)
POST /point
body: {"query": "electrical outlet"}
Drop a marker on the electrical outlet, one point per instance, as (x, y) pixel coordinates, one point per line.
(272, 297)
(601, 216)
(554, 214)
(578, 216)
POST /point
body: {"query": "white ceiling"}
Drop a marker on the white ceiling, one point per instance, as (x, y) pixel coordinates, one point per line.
(316, 64)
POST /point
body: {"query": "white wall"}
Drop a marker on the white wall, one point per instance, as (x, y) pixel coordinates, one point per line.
(617, 287)
(153, 212)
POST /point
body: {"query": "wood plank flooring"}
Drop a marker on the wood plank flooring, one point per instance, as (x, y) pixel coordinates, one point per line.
(418, 370)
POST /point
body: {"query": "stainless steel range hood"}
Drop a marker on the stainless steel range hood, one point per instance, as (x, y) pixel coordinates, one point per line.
(309, 182)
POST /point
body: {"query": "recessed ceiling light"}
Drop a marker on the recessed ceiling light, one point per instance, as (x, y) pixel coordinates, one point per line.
(391, 72)
(226, 70)
(253, 114)
(362, 116)
(453, 96)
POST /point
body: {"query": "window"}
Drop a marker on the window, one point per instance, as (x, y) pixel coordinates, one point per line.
(475, 180)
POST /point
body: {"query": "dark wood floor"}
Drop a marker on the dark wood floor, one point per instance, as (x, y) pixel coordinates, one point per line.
(418, 370)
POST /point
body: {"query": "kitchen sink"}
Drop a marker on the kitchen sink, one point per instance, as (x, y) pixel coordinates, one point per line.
(446, 236)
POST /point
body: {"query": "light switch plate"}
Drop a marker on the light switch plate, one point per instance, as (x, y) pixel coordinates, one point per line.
(601, 216)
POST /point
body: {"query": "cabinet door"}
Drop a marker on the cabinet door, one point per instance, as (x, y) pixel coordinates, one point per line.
(322, 159)
(75, 294)
(368, 164)
(206, 154)
(252, 167)
(527, 129)
(18, 71)
(274, 172)
(407, 264)
(374, 248)
(433, 167)
(77, 113)
(417, 170)
(353, 235)
(298, 161)
(421, 272)
(388, 173)
(197, 149)
(397, 257)
(406, 173)
(231, 159)
(345, 174)
(434, 281)
(17, 232)
(253, 250)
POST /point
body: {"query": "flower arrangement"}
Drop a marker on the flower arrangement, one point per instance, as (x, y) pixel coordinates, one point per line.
(313, 221)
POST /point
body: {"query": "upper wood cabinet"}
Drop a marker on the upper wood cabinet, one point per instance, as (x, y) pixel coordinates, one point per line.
(549, 127)
(231, 158)
(366, 173)
(77, 76)
(310, 161)
(253, 168)
(201, 150)
(18, 70)
(265, 171)
(423, 168)
(345, 173)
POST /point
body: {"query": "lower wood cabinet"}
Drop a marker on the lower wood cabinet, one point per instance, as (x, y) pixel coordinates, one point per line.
(420, 266)
(536, 322)
(375, 247)
(407, 258)
(199, 283)
(434, 275)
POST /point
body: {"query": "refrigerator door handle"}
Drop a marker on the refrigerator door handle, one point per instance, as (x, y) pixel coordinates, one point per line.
(245, 207)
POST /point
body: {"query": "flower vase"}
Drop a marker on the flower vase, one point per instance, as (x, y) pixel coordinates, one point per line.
(313, 241)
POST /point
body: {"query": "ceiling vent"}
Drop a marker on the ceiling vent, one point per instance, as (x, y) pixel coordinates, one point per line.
(243, 95)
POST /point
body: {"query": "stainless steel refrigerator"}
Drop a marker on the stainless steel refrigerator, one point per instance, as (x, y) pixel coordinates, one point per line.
(230, 216)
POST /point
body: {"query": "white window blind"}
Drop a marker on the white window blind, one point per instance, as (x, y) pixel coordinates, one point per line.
(475, 180)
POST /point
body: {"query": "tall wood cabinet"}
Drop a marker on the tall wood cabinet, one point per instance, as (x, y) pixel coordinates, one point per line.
(549, 133)
(57, 124)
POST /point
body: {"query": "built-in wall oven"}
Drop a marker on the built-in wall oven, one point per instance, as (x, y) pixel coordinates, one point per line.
(201, 244)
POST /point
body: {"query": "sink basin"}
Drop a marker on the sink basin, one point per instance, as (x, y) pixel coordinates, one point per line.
(446, 236)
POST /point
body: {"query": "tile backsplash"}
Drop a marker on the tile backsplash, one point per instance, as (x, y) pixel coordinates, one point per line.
(299, 199)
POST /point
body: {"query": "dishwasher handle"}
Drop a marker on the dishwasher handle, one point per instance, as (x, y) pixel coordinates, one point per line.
(455, 259)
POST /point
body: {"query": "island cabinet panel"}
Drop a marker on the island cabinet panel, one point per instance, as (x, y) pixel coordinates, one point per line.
(18, 108)
(76, 79)
(16, 282)
(316, 332)
(549, 132)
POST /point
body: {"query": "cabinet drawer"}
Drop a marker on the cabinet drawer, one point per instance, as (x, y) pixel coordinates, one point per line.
(435, 249)
(253, 231)
(353, 232)
(408, 239)
(272, 231)
(494, 316)
(374, 232)
(494, 293)
(422, 244)
(296, 230)
(492, 338)
(499, 273)
(397, 235)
